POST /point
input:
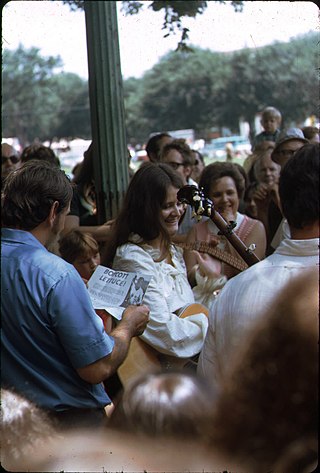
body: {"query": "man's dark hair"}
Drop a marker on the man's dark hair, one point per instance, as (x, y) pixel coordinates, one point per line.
(29, 193)
(153, 146)
(299, 187)
(40, 152)
(182, 147)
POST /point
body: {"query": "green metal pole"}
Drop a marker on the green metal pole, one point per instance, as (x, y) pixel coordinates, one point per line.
(107, 107)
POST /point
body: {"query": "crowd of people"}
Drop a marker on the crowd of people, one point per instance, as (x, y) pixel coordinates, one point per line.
(214, 363)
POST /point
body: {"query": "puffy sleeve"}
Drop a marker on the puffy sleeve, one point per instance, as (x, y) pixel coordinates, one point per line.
(167, 292)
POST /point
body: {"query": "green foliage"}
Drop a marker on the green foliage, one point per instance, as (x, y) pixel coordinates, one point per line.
(199, 90)
(178, 92)
(27, 101)
(39, 103)
(277, 75)
(205, 89)
(73, 112)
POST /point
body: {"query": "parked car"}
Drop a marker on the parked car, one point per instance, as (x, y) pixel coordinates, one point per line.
(217, 148)
(140, 155)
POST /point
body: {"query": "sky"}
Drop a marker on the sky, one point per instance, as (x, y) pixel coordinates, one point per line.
(55, 30)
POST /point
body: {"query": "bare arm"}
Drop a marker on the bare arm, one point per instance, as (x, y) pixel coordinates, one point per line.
(258, 236)
(133, 323)
(99, 232)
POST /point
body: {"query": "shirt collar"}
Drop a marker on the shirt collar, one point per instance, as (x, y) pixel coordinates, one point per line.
(20, 236)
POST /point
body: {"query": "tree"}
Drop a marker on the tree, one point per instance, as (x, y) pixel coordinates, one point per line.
(276, 75)
(39, 103)
(28, 105)
(174, 13)
(73, 112)
(206, 89)
(136, 122)
(179, 92)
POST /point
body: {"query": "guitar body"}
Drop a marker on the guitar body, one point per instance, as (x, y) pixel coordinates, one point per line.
(191, 309)
(143, 358)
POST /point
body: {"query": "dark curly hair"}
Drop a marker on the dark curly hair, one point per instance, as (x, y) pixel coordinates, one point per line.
(213, 172)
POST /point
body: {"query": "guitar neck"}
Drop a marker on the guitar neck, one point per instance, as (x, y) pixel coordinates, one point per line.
(246, 254)
(204, 207)
(204, 247)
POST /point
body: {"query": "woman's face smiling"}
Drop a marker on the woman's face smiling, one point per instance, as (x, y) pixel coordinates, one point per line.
(224, 196)
(172, 211)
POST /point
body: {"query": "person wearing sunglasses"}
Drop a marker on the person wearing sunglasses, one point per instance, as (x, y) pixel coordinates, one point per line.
(10, 160)
(198, 166)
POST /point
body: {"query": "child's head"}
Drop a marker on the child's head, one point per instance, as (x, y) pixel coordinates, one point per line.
(250, 204)
(270, 119)
(81, 250)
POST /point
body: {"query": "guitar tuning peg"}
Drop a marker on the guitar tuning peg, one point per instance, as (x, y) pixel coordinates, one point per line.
(200, 209)
(196, 198)
(208, 211)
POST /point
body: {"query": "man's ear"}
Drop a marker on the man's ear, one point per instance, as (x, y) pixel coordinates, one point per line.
(53, 212)
(188, 171)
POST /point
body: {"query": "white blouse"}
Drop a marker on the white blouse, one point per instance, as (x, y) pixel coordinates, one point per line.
(168, 291)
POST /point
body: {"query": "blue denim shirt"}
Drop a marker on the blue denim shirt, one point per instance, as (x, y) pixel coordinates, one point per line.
(49, 327)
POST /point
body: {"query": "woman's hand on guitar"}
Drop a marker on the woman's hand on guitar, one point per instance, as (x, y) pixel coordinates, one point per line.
(136, 317)
(208, 266)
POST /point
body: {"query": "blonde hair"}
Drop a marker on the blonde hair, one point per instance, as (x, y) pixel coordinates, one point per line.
(271, 112)
(77, 244)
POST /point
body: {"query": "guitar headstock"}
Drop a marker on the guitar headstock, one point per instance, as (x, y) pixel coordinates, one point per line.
(192, 195)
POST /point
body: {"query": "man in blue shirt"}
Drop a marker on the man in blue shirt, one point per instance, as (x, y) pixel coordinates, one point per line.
(55, 351)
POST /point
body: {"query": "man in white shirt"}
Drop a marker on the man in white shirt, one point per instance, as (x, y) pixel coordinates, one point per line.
(249, 295)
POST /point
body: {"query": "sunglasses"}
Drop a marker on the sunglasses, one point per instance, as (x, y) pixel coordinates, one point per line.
(286, 152)
(176, 165)
(14, 159)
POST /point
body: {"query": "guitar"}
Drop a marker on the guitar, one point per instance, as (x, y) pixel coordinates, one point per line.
(142, 358)
(203, 207)
(204, 247)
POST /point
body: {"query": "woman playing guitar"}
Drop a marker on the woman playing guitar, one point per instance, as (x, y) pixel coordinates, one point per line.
(142, 242)
(222, 183)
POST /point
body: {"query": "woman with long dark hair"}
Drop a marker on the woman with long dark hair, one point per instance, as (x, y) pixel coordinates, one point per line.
(141, 242)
